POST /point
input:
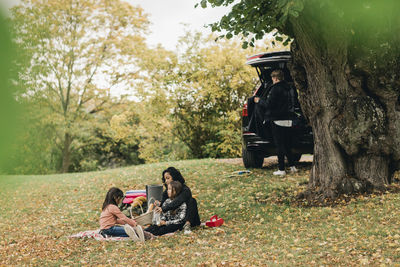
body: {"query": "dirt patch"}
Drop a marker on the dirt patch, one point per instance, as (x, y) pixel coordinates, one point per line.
(270, 161)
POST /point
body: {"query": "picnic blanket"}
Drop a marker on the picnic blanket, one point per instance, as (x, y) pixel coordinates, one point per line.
(96, 235)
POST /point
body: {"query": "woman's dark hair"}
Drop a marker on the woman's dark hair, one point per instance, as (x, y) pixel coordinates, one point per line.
(177, 187)
(112, 194)
(175, 174)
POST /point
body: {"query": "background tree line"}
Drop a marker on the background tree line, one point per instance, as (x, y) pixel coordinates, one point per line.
(178, 104)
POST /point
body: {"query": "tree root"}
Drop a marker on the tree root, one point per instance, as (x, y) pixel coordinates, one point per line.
(315, 197)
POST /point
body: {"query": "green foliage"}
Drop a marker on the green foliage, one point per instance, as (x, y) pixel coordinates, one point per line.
(33, 150)
(254, 19)
(157, 140)
(109, 141)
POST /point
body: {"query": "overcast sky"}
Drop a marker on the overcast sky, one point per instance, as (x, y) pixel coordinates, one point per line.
(4, 4)
(167, 17)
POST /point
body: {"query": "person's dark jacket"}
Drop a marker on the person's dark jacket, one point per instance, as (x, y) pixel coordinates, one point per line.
(277, 103)
(184, 196)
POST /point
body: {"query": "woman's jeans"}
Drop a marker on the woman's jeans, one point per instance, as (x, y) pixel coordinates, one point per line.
(114, 231)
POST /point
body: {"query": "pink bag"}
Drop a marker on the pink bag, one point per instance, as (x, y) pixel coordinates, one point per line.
(132, 194)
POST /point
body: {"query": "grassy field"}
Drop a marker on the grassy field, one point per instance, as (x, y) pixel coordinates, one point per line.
(264, 225)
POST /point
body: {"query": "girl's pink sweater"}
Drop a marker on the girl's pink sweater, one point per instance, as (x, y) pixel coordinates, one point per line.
(111, 216)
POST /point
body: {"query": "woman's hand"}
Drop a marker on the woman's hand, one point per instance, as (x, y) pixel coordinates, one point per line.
(158, 209)
(162, 222)
(256, 99)
(134, 224)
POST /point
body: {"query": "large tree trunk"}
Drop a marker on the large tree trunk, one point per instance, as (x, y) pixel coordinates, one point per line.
(66, 153)
(347, 74)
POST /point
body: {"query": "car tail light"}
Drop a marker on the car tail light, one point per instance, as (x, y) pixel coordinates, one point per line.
(244, 111)
(254, 57)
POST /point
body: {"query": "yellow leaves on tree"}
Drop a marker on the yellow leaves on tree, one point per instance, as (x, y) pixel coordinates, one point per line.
(120, 127)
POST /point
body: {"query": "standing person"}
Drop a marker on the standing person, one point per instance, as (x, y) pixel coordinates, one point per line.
(278, 105)
(111, 219)
(192, 214)
(171, 220)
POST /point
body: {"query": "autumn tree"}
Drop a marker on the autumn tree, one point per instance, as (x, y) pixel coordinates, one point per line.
(191, 99)
(211, 83)
(158, 142)
(76, 52)
(346, 66)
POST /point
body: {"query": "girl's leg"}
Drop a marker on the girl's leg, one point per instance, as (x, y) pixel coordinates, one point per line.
(116, 231)
(139, 231)
(131, 233)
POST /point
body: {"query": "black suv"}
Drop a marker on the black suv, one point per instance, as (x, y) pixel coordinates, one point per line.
(255, 147)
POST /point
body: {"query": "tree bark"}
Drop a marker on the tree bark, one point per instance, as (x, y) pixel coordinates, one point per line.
(66, 153)
(348, 84)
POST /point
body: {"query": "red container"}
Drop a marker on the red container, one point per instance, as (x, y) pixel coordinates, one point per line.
(215, 221)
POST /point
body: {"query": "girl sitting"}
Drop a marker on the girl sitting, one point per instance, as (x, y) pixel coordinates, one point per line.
(111, 216)
(171, 220)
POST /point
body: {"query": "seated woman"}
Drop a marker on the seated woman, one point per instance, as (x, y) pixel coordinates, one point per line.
(171, 220)
(192, 215)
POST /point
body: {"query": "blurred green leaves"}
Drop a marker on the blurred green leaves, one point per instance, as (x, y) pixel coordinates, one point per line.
(254, 19)
(8, 107)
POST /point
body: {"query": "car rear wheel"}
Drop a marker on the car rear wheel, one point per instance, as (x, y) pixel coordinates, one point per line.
(252, 159)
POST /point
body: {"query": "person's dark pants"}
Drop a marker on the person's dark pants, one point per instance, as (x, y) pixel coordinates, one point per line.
(192, 214)
(283, 141)
(114, 231)
(164, 229)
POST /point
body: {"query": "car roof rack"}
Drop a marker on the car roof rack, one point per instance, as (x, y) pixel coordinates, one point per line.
(282, 56)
